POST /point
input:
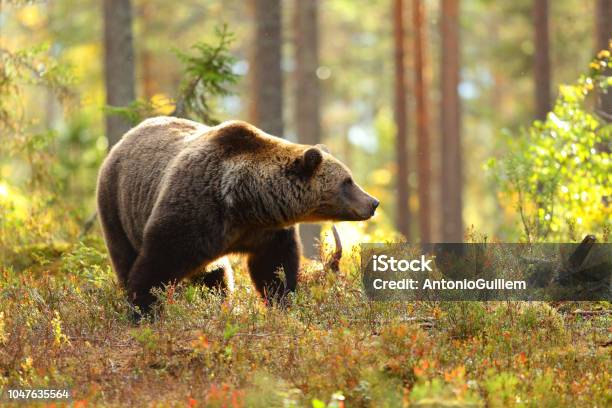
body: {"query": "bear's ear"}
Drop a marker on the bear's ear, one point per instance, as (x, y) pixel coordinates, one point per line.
(311, 161)
(323, 147)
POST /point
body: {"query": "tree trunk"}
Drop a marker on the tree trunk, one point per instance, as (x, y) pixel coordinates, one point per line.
(118, 64)
(450, 112)
(307, 96)
(604, 36)
(423, 159)
(146, 56)
(266, 105)
(541, 59)
(401, 139)
(604, 24)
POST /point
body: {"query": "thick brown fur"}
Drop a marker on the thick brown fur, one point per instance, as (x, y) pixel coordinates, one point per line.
(175, 195)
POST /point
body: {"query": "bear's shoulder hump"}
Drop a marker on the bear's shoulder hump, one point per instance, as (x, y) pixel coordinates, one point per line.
(238, 137)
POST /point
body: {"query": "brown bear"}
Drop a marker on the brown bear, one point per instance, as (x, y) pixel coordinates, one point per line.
(174, 195)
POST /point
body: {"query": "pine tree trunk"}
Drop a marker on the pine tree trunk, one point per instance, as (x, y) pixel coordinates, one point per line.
(604, 24)
(541, 59)
(423, 159)
(401, 139)
(266, 105)
(307, 96)
(146, 56)
(452, 180)
(118, 64)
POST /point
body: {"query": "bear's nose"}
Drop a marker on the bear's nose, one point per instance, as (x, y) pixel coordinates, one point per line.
(375, 203)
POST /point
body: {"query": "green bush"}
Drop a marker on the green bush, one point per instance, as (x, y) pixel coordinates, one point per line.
(557, 172)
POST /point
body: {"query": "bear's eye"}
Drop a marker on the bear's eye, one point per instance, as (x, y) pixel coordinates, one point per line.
(347, 182)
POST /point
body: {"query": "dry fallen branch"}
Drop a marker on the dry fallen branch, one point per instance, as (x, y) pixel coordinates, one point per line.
(334, 261)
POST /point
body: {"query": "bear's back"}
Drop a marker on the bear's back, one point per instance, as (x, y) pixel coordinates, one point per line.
(136, 166)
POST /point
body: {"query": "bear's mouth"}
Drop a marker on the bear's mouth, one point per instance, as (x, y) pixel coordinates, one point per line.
(330, 213)
(358, 215)
(365, 217)
(369, 212)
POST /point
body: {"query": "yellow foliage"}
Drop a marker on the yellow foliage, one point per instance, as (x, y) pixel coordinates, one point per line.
(13, 201)
(59, 337)
(31, 16)
(79, 53)
(381, 176)
(162, 103)
(3, 335)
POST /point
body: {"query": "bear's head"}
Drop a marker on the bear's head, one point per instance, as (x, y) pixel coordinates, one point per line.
(268, 180)
(332, 193)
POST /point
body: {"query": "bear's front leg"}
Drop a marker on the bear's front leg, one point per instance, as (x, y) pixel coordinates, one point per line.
(161, 261)
(280, 249)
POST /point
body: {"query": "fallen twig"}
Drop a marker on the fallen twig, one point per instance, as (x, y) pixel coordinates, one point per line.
(334, 261)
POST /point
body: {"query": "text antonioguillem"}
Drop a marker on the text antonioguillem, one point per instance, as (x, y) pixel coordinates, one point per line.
(385, 263)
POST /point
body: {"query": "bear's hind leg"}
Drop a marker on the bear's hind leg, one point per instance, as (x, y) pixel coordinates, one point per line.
(219, 275)
(122, 254)
(280, 250)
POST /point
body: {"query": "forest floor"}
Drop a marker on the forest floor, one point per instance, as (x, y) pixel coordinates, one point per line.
(64, 324)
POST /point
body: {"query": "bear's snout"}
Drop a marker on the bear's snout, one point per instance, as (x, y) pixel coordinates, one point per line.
(367, 207)
(372, 205)
(375, 203)
(363, 205)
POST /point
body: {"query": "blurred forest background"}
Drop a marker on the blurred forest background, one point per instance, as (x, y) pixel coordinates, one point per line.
(468, 119)
(463, 117)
